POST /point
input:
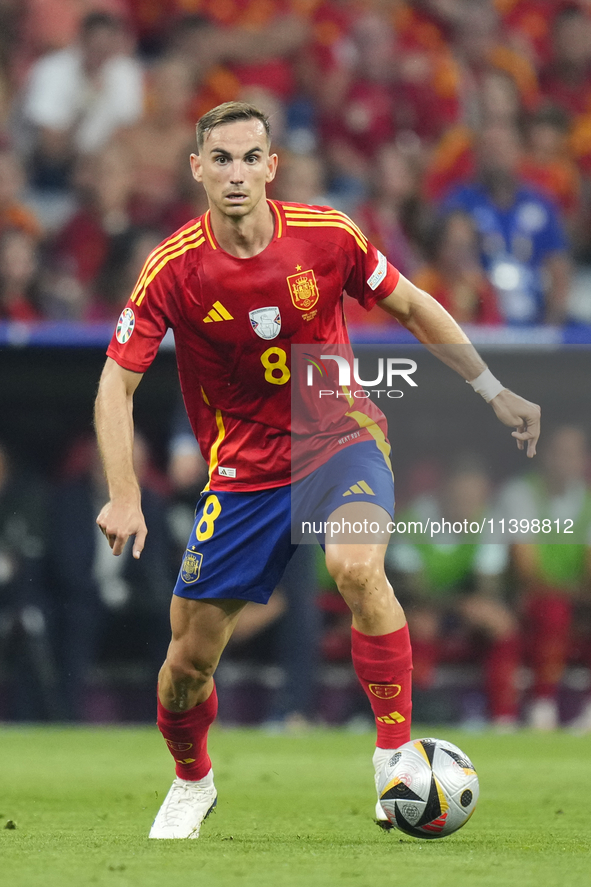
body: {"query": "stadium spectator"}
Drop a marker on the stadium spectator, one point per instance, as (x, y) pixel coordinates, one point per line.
(80, 250)
(78, 97)
(455, 593)
(566, 79)
(92, 591)
(19, 277)
(452, 161)
(238, 47)
(528, 23)
(393, 208)
(120, 270)
(548, 164)
(302, 179)
(356, 101)
(481, 47)
(554, 574)
(159, 142)
(455, 276)
(13, 213)
(522, 240)
(25, 636)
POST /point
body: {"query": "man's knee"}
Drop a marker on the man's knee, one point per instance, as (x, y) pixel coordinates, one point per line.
(355, 574)
(363, 584)
(187, 673)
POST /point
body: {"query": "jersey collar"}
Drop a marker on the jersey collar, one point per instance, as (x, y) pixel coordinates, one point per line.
(277, 234)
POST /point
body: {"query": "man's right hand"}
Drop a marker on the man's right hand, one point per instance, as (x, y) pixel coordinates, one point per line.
(120, 520)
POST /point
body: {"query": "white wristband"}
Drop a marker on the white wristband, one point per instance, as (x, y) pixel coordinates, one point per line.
(486, 385)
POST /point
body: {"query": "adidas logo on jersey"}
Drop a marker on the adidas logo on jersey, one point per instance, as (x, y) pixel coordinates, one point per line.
(360, 487)
(217, 312)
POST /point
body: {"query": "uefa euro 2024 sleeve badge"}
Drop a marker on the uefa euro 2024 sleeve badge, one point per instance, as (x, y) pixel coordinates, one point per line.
(125, 326)
(266, 322)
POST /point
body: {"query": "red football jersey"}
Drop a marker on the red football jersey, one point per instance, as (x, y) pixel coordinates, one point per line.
(234, 322)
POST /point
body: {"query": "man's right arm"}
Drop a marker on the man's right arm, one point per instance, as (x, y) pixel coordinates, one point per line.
(122, 516)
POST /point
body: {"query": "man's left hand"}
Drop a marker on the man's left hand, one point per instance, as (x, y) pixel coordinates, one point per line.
(511, 409)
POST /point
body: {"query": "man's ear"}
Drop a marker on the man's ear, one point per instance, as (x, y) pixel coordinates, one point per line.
(196, 167)
(271, 167)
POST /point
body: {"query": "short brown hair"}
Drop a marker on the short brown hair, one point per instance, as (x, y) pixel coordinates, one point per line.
(229, 112)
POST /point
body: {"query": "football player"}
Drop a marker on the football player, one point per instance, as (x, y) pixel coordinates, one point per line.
(239, 286)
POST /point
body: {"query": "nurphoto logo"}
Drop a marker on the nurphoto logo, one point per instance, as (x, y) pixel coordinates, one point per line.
(389, 372)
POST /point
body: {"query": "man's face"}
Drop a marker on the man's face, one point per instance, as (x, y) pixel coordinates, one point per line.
(234, 166)
(99, 45)
(499, 152)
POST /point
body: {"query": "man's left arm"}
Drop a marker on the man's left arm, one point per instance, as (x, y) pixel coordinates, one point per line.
(431, 324)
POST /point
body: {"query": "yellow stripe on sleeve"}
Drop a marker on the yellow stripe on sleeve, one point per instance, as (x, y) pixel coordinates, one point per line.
(165, 261)
(321, 223)
(156, 254)
(308, 213)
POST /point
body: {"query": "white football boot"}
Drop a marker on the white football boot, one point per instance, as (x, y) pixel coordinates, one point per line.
(184, 808)
(380, 756)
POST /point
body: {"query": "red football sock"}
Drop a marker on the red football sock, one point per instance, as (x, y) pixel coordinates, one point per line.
(383, 665)
(185, 734)
(501, 664)
(549, 618)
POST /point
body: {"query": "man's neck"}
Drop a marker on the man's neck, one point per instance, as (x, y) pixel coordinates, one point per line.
(246, 236)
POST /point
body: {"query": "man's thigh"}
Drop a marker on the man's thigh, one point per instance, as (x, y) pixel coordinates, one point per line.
(239, 546)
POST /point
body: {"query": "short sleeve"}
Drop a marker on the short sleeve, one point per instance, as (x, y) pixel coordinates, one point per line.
(143, 323)
(372, 277)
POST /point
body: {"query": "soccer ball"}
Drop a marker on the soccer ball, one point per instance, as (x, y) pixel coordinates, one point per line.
(428, 788)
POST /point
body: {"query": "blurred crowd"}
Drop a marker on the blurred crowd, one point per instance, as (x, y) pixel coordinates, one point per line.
(457, 133)
(513, 617)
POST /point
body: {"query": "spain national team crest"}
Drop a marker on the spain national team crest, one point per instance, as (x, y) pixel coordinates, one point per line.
(385, 691)
(125, 326)
(266, 322)
(191, 566)
(303, 289)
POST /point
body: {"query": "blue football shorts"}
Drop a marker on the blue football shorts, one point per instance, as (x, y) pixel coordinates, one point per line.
(241, 543)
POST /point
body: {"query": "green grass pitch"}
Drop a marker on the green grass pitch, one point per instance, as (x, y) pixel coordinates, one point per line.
(293, 812)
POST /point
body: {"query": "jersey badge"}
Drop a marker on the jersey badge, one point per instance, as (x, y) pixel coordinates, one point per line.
(191, 566)
(303, 289)
(380, 272)
(125, 326)
(266, 322)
